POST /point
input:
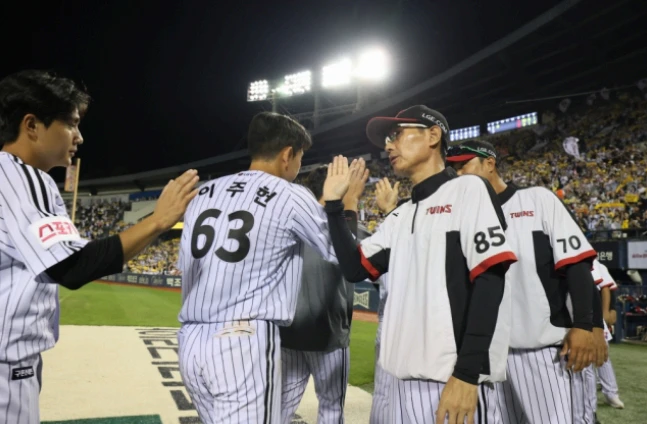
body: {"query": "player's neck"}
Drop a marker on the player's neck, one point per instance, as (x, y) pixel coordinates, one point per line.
(18, 150)
(498, 184)
(433, 167)
(271, 168)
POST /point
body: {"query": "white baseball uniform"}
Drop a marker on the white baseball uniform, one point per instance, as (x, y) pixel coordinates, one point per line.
(545, 238)
(241, 260)
(35, 234)
(433, 248)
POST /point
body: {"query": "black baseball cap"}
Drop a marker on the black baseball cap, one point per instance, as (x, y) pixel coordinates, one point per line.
(469, 149)
(379, 127)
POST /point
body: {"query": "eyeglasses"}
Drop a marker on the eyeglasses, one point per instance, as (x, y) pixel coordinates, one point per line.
(392, 136)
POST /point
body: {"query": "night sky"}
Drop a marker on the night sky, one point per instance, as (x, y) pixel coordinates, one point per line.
(171, 77)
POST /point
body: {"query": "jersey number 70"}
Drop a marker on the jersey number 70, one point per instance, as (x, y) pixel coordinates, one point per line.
(239, 234)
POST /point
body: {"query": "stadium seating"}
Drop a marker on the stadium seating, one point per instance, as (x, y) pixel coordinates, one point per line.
(605, 187)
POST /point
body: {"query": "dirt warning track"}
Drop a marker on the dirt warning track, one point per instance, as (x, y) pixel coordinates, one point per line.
(105, 372)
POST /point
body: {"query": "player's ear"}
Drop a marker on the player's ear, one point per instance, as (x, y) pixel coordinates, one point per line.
(434, 136)
(29, 126)
(491, 164)
(287, 153)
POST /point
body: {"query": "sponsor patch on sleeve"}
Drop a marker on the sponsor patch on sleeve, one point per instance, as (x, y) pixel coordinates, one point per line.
(54, 229)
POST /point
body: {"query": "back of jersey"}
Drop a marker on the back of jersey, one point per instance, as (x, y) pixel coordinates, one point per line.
(240, 253)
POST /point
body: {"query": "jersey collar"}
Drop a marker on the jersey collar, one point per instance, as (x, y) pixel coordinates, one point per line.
(507, 194)
(429, 186)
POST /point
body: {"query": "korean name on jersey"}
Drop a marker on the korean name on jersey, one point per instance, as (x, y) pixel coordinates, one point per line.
(241, 251)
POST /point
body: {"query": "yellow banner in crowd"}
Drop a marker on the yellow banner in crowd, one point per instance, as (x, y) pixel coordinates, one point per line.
(610, 205)
(631, 198)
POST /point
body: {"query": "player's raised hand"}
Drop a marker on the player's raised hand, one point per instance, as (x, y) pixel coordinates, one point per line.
(386, 196)
(338, 179)
(357, 181)
(457, 402)
(175, 198)
(578, 346)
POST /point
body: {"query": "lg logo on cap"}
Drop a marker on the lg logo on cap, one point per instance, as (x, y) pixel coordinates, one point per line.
(435, 121)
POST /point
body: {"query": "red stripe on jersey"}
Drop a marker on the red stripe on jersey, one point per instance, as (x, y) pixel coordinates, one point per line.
(599, 281)
(368, 266)
(490, 262)
(575, 259)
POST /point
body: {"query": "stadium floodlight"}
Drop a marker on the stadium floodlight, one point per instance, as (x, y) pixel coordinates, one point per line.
(373, 65)
(295, 84)
(337, 74)
(258, 91)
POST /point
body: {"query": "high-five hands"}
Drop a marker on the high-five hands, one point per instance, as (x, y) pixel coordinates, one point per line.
(338, 179)
(356, 185)
(386, 196)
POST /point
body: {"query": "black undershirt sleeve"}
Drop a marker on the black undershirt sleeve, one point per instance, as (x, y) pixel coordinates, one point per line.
(580, 280)
(96, 259)
(351, 221)
(348, 255)
(482, 317)
(597, 308)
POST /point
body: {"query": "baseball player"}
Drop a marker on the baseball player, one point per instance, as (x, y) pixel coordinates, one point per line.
(241, 257)
(549, 344)
(441, 257)
(40, 248)
(316, 343)
(605, 284)
(386, 198)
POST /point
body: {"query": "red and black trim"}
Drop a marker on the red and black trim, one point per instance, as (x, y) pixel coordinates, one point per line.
(503, 258)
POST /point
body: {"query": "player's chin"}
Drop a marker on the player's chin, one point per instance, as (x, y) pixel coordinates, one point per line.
(399, 170)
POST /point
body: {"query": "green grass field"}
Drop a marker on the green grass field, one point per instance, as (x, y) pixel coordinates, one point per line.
(106, 304)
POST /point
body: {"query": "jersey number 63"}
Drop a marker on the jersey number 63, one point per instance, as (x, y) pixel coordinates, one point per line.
(238, 234)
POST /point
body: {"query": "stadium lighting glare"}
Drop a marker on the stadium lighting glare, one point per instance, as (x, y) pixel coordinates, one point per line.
(337, 74)
(294, 84)
(373, 65)
(258, 91)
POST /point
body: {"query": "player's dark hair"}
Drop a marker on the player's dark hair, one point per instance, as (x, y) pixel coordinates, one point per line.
(41, 93)
(270, 132)
(315, 181)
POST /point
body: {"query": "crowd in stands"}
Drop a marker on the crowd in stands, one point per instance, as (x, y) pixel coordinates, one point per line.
(604, 186)
(98, 219)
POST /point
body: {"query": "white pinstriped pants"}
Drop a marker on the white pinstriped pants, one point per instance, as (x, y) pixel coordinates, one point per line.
(538, 389)
(330, 373)
(232, 371)
(587, 393)
(20, 384)
(381, 387)
(416, 402)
